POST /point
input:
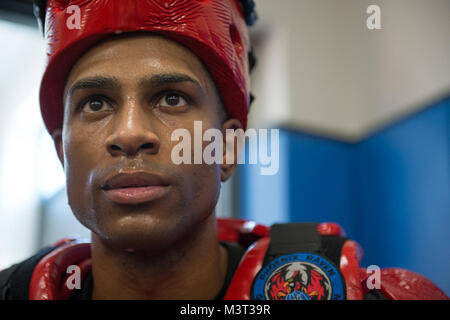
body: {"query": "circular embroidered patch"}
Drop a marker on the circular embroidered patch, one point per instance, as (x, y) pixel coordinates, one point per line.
(299, 276)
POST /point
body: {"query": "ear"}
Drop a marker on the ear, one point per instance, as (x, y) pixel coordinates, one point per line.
(57, 140)
(231, 148)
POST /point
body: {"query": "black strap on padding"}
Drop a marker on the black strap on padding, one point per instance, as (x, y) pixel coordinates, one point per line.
(290, 238)
(293, 237)
(332, 248)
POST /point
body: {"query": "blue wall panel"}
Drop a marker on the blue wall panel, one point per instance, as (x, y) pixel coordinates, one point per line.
(321, 181)
(404, 181)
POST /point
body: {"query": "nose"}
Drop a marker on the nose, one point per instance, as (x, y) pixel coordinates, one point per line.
(132, 133)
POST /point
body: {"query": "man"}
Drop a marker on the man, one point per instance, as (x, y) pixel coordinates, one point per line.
(113, 93)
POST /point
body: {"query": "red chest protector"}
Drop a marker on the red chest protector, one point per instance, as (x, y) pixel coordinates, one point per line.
(48, 281)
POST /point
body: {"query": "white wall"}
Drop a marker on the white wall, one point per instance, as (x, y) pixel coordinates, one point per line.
(19, 133)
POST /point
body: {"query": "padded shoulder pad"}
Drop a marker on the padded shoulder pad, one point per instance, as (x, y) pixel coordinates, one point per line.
(48, 281)
(401, 284)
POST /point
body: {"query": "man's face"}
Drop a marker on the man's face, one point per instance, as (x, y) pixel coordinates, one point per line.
(123, 99)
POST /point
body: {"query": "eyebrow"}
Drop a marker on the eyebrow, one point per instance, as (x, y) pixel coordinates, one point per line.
(161, 80)
(97, 82)
(158, 80)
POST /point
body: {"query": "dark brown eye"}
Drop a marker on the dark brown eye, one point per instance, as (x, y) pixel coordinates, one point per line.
(94, 105)
(172, 100)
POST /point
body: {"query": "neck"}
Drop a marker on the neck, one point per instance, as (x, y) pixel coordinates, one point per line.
(194, 269)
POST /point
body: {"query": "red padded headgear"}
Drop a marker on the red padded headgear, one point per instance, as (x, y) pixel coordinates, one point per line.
(215, 30)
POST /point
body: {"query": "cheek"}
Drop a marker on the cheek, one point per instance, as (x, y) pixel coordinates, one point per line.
(200, 192)
(84, 148)
(199, 183)
(207, 185)
(81, 156)
(205, 178)
(204, 188)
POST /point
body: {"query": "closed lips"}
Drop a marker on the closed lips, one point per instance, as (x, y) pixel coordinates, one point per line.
(133, 180)
(135, 188)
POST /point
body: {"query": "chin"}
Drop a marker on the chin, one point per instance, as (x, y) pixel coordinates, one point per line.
(145, 233)
(150, 228)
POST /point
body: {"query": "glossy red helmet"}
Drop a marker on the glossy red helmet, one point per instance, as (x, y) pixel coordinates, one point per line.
(215, 30)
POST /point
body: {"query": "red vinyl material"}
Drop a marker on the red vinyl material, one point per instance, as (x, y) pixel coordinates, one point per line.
(351, 256)
(251, 263)
(331, 228)
(215, 30)
(49, 276)
(401, 284)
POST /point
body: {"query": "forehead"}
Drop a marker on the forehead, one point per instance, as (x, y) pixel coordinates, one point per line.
(131, 57)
